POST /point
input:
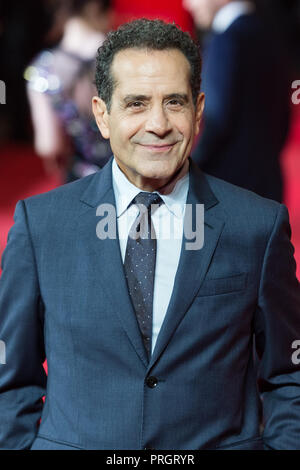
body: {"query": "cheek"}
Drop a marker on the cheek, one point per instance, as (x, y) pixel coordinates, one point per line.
(186, 127)
(125, 129)
(118, 134)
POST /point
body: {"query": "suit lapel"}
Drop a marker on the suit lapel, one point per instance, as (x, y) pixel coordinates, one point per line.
(193, 264)
(107, 258)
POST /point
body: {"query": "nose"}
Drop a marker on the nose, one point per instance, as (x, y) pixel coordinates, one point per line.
(157, 121)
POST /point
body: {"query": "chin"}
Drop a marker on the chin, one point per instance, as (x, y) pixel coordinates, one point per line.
(158, 170)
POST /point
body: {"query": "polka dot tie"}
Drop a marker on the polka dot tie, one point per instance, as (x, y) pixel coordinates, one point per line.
(139, 263)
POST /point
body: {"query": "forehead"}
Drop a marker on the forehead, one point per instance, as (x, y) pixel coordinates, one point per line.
(150, 69)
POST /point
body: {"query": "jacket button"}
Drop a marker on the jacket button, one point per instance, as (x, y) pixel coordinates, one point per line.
(151, 381)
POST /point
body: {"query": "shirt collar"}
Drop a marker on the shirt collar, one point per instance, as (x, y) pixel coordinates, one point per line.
(229, 13)
(125, 192)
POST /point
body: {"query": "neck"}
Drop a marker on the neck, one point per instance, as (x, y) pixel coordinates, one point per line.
(165, 186)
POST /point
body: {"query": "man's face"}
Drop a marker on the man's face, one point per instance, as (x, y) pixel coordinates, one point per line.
(203, 11)
(152, 121)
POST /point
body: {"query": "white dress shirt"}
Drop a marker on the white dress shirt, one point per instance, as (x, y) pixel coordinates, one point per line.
(229, 13)
(168, 224)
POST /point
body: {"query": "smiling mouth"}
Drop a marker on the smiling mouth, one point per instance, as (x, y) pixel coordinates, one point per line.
(158, 148)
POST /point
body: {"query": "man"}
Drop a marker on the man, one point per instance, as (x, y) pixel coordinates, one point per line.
(137, 360)
(247, 87)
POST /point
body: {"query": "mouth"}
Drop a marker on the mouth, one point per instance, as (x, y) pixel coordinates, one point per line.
(158, 148)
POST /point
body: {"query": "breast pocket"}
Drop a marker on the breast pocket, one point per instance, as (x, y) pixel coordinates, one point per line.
(223, 285)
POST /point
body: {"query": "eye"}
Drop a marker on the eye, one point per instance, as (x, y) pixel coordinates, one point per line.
(175, 103)
(135, 104)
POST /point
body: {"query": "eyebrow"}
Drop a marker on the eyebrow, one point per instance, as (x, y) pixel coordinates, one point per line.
(178, 96)
(129, 98)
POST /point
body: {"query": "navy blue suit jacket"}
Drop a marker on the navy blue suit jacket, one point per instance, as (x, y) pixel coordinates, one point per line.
(247, 109)
(63, 295)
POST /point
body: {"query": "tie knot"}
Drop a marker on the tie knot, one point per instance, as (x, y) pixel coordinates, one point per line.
(147, 199)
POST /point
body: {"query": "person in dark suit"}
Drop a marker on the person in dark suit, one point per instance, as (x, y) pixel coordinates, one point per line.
(148, 339)
(247, 86)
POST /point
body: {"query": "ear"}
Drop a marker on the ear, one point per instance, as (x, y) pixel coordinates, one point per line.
(199, 111)
(101, 116)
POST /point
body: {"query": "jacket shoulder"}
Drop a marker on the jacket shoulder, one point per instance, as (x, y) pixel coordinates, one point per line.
(240, 202)
(69, 192)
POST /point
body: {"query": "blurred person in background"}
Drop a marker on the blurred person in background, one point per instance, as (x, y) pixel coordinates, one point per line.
(247, 86)
(60, 88)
